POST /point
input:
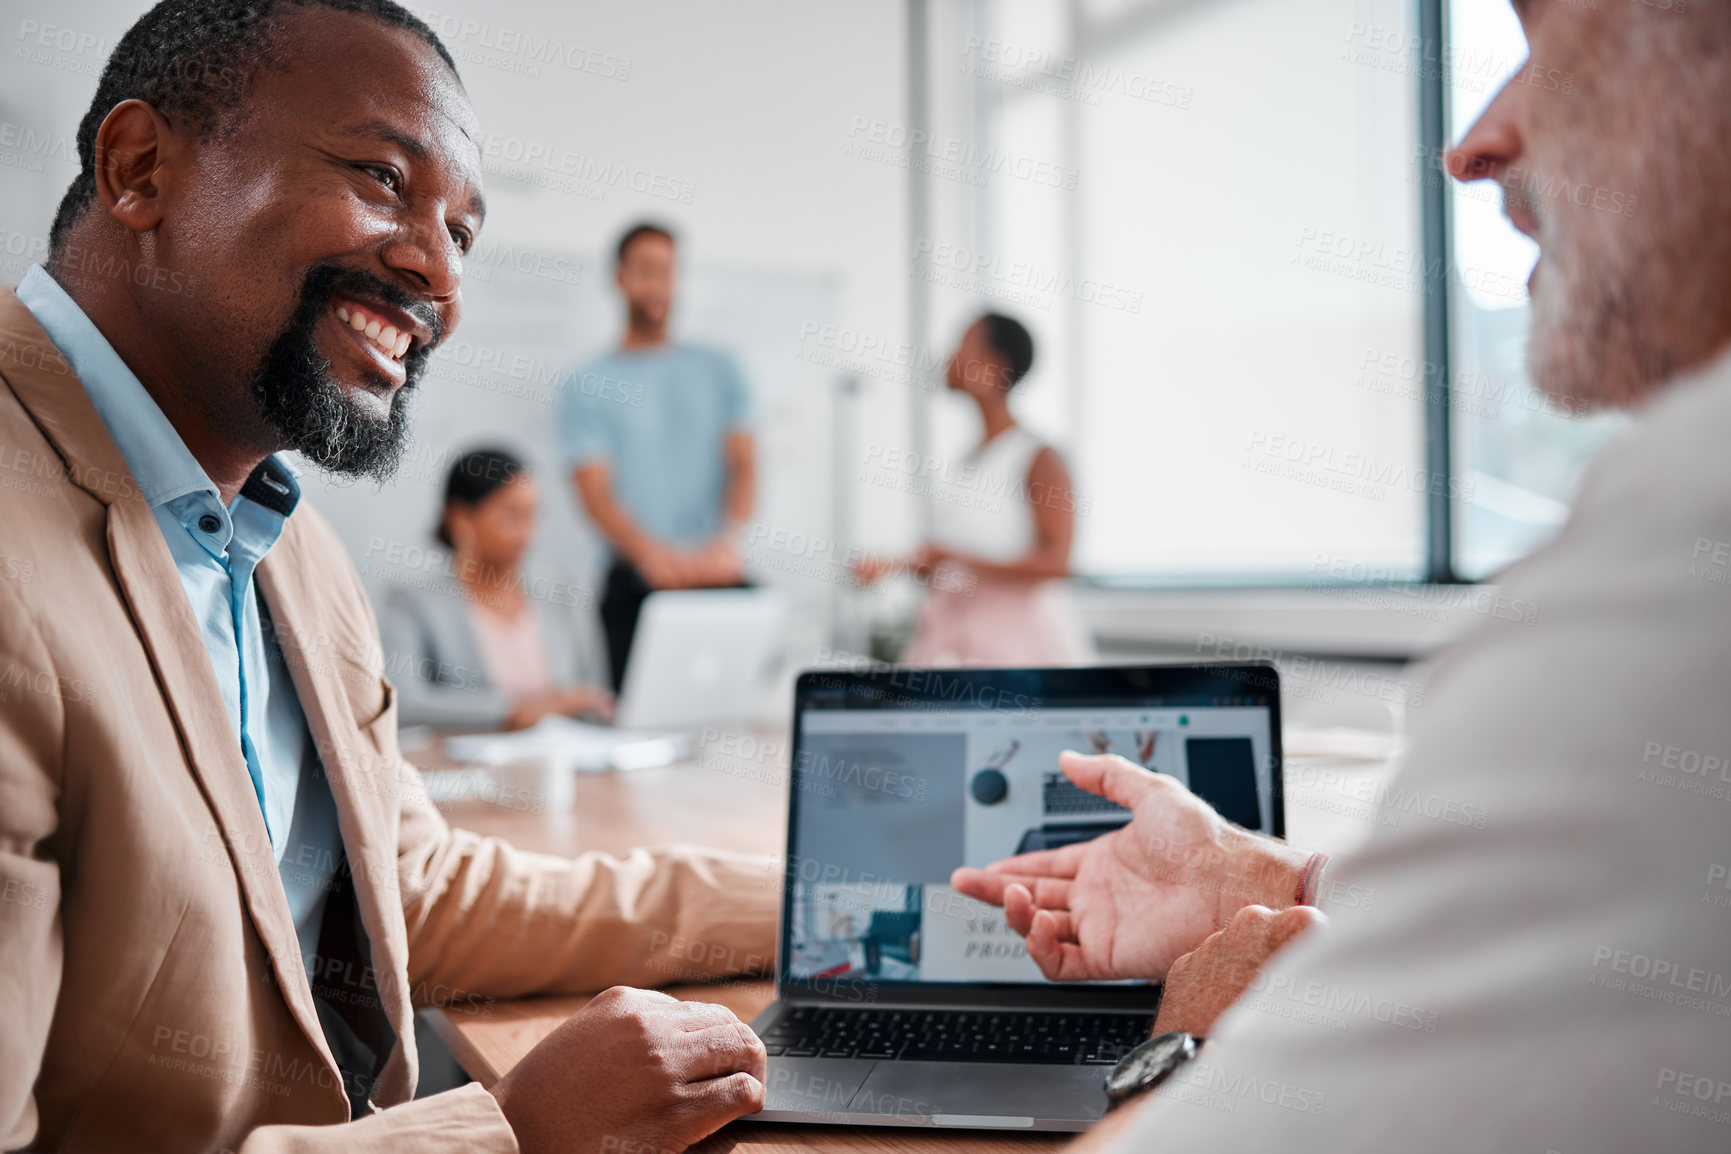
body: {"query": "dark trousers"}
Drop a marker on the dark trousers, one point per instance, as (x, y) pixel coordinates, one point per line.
(622, 598)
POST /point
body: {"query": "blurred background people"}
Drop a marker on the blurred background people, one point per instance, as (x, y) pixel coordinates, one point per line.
(1002, 522)
(477, 651)
(658, 439)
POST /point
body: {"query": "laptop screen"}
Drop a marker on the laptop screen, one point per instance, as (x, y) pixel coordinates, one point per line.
(901, 775)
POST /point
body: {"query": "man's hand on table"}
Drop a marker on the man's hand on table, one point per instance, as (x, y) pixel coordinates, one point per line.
(1131, 902)
(634, 1066)
(1204, 982)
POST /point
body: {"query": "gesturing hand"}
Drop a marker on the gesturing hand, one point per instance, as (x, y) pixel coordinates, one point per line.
(1128, 903)
(634, 1069)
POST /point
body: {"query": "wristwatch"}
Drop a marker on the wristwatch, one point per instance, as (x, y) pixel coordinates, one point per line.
(1149, 1064)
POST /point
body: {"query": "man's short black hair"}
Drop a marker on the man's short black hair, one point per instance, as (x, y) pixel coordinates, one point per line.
(642, 229)
(193, 61)
(1007, 337)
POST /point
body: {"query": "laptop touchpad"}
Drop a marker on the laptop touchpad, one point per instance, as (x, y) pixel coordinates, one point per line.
(983, 1090)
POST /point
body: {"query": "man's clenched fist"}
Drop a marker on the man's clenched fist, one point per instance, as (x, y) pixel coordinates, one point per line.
(634, 1069)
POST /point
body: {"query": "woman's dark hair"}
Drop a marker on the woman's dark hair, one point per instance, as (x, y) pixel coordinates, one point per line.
(477, 475)
(1009, 339)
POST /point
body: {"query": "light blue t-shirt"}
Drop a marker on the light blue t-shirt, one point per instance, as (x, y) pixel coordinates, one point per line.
(659, 418)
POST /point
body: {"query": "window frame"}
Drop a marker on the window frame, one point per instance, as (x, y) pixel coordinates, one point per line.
(1436, 248)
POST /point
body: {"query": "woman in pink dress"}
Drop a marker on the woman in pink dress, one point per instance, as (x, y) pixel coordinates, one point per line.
(1003, 520)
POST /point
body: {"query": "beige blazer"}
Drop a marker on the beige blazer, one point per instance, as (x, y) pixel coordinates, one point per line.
(152, 993)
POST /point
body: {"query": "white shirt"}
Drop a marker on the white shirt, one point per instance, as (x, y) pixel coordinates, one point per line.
(1559, 979)
(981, 507)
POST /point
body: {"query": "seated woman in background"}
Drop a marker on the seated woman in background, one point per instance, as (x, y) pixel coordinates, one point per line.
(1003, 520)
(476, 651)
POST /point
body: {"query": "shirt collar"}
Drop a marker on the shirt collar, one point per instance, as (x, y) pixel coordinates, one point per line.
(163, 466)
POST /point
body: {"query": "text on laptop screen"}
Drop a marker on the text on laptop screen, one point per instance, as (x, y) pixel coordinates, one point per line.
(889, 802)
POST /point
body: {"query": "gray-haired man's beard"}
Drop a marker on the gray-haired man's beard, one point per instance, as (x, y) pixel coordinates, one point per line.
(1627, 300)
(302, 401)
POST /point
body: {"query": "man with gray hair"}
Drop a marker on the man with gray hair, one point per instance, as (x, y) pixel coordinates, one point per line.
(1546, 965)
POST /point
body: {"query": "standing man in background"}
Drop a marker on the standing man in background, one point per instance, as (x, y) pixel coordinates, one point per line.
(658, 437)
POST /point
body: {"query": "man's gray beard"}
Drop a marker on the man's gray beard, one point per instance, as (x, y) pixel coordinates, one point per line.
(1626, 301)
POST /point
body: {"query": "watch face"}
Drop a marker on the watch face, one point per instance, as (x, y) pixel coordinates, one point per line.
(1144, 1067)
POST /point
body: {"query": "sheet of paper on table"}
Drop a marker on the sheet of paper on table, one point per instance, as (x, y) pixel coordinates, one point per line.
(585, 747)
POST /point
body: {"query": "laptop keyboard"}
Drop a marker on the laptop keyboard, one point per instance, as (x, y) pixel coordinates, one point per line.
(1061, 797)
(1044, 1038)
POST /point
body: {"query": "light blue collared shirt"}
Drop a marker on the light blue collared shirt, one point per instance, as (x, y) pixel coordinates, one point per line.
(216, 550)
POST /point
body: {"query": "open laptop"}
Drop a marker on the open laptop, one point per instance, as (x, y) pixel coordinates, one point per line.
(699, 657)
(902, 1003)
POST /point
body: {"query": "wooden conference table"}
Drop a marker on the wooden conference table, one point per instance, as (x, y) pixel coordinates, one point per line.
(739, 803)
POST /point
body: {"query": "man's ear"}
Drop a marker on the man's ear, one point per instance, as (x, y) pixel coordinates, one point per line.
(135, 151)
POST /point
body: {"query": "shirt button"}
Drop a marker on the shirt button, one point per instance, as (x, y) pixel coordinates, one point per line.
(209, 523)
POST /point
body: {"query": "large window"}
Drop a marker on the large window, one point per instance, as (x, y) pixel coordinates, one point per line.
(1213, 217)
(1518, 454)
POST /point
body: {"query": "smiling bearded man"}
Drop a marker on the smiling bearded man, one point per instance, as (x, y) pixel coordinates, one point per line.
(224, 892)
